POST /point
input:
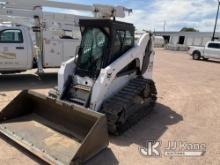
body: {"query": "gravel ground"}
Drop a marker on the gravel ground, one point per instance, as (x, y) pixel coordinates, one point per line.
(187, 110)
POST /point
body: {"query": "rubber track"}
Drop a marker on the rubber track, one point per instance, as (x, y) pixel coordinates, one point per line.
(120, 109)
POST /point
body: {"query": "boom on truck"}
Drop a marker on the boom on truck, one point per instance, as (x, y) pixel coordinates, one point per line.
(53, 45)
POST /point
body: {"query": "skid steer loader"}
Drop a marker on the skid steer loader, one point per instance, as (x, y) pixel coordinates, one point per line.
(110, 78)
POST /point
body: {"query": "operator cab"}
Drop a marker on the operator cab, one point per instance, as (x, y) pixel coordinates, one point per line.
(103, 42)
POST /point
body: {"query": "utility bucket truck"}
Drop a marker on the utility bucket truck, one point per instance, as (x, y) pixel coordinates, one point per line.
(37, 39)
(107, 87)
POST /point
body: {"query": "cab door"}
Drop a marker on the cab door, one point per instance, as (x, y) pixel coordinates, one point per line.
(212, 50)
(13, 53)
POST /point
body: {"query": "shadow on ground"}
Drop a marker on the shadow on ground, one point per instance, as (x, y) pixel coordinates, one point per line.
(27, 81)
(152, 127)
(106, 157)
(216, 61)
(212, 61)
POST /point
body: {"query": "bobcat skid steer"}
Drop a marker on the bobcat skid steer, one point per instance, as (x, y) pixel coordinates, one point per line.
(110, 78)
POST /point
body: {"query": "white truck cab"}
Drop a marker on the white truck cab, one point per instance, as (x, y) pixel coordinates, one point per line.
(18, 53)
(211, 50)
(16, 49)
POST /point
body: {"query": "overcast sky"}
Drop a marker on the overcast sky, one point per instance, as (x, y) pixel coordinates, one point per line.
(151, 14)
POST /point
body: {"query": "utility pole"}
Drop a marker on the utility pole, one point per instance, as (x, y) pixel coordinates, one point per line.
(216, 21)
(164, 26)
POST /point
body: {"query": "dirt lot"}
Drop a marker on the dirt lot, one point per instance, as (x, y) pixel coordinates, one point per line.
(188, 110)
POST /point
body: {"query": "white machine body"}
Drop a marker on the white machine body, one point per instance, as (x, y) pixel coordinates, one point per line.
(107, 83)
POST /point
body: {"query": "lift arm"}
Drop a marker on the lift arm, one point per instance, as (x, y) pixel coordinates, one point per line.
(99, 11)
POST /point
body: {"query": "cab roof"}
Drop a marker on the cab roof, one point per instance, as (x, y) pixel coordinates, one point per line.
(106, 23)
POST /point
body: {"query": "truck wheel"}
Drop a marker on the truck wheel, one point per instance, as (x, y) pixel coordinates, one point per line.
(196, 56)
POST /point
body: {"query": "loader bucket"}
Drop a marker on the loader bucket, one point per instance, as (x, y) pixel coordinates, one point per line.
(55, 131)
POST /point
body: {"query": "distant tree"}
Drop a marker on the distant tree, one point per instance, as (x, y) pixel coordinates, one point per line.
(188, 29)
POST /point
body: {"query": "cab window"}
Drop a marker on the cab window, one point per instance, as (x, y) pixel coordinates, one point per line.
(123, 42)
(11, 36)
(214, 45)
(93, 47)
